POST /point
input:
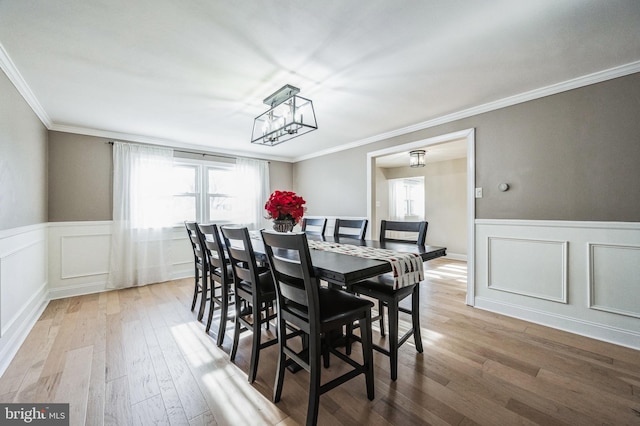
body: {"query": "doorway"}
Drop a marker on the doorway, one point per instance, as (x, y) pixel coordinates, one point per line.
(468, 136)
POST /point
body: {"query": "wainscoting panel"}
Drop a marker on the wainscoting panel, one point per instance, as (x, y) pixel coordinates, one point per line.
(613, 277)
(582, 277)
(79, 257)
(23, 285)
(530, 267)
(84, 255)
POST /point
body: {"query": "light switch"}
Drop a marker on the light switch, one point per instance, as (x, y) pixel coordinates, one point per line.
(478, 192)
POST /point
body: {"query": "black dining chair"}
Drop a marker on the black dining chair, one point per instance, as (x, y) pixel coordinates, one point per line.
(417, 229)
(350, 228)
(219, 278)
(318, 226)
(253, 289)
(200, 267)
(313, 311)
(381, 289)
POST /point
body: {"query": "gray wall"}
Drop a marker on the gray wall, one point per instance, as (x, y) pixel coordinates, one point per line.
(80, 177)
(445, 200)
(23, 161)
(570, 156)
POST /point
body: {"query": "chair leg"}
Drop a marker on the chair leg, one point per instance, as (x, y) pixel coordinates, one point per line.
(255, 349)
(195, 290)
(267, 305)
(415, 317)
(314, 380)
(393, 338)
(236, 331)
(224, 313)
(324, 347)
(367, 353)
(381, 314)
(203, 296)
(282, 340)
(212, 308)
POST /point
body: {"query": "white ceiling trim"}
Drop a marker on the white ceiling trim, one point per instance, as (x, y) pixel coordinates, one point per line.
(553, 89)
(15, 77)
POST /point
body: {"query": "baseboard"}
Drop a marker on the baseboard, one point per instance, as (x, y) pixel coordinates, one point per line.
(618, 336)
(77, 290)
(457, 256)
(16, 332)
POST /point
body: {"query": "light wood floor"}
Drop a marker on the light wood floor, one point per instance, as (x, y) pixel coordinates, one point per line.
(138, 356)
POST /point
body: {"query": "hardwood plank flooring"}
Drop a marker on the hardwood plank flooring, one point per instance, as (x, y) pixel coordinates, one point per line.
(139, 357)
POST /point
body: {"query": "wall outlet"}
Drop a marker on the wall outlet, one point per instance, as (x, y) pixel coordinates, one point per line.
(478, 192)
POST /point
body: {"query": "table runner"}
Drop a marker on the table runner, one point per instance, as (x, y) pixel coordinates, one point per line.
(407, 267)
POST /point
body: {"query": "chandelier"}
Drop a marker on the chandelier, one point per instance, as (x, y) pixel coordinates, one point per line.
(416, 158)
(289, 116)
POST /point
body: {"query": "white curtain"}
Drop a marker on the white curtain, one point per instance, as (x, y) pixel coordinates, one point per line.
(252, 191)
(142, 215)
(396, 199)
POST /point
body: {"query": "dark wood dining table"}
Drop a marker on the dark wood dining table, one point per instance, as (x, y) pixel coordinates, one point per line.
(343, 269)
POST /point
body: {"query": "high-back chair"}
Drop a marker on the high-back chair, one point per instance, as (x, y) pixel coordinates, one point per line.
(219, 278)
(350, 228)
(381, 289)
(253, 288)
(313, 311)
(200, 267)
(419, 229)
(318, 226)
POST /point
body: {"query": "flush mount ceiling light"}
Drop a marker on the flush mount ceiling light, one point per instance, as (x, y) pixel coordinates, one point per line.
(416, 158)
(289, 116)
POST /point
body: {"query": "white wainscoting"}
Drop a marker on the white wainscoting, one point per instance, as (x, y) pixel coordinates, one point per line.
(582, 277)
(23, 285)
(79, 257)
(610, 266)
(514, 265)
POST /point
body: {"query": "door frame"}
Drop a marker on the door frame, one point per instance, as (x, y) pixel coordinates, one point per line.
(469, 135)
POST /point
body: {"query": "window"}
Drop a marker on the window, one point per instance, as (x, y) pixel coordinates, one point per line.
(203, 191)
(406, 199)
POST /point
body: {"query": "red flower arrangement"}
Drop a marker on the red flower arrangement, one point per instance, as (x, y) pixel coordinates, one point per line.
(285, 205)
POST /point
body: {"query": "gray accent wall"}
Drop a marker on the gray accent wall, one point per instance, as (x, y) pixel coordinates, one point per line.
(570, 156)
(23, 161)
(80, 177)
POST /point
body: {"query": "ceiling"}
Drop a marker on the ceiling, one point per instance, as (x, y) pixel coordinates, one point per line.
(194, 74)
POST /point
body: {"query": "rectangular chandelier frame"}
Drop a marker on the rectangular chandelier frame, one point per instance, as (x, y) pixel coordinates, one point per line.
(290, 116)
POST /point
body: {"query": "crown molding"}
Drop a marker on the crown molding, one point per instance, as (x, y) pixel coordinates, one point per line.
(19, 82)
(553, 89)
(132, 137)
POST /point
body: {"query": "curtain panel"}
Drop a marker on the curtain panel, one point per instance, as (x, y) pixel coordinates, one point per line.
(142, 215)
(252, 192)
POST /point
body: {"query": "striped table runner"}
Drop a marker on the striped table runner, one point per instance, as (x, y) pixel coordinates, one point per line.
(407, 267)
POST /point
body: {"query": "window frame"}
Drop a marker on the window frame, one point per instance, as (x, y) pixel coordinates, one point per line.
(202, 195)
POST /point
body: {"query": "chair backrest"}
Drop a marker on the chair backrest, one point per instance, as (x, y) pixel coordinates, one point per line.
(242, 256)
(294, 278)
(195, 238)
(214, 251)
(419, 228)
(357, 228)
(319, 226)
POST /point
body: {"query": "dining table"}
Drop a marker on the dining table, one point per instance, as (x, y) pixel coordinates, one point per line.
(343, 269)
